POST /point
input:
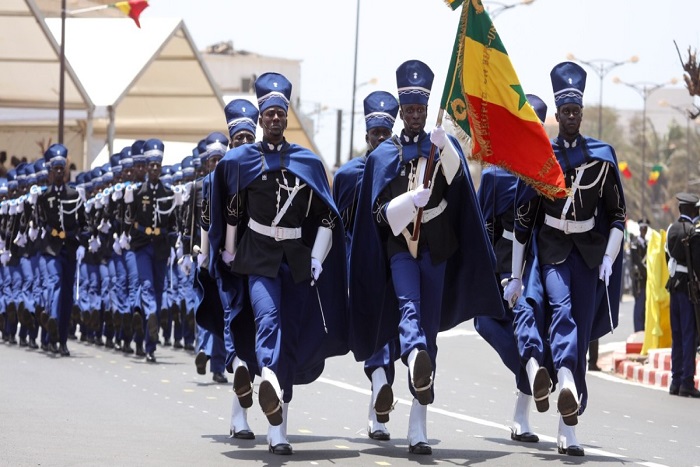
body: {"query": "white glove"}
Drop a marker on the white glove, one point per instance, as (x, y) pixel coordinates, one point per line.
(202, 260)
(20, 207)
(2, 244)
(3, 207)
(124, 241)
(178, 248)
(186, 192)
(178, 198)
(20, 240)
(185, 264)
(4, 257)
(33, 232)
(129, 194)
(316, 268)
(227, 257)
(94, 244)
(104, 226)
(116, 195)
(438, 137)
(512, 291)
(117, 247)
(421, 195)
(33, 197)
(80, 253)
(605, 269)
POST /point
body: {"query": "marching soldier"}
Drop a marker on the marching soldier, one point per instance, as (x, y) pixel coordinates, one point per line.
(380, 109)
(62, 215)
(575, 279)
(151, 219)
(638, 252)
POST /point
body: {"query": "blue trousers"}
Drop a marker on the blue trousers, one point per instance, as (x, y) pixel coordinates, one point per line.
(60, 278)
(683, 341)
(639, 316)
(500, 334)
(418, 284)
(152, 282)
(213, 346)
(383, 358)
(274, 350)
(132, 278)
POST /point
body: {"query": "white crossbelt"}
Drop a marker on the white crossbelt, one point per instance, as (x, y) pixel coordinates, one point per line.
(569, 227)
(278, 233)
(508, 235)
(432, 213)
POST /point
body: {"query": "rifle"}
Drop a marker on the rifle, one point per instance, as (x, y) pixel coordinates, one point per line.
(427, 176)
(693, 284)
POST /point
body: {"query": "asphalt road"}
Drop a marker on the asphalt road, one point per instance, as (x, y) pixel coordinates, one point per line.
(101, 408)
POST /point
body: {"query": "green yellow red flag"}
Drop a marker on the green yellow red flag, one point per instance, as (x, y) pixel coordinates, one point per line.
(483, 96)
(454, 4)
(132, 8)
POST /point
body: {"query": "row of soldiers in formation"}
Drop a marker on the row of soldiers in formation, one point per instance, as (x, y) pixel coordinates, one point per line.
(291, 273)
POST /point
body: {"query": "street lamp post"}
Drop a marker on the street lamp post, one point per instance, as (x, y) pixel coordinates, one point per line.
(602, 67)
(501, 6)
(62, 75)
(644, 89)
(354, 80)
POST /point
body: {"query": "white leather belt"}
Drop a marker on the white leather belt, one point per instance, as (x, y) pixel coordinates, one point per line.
(681, 268)
(278, 233)
(432, 213)
(569, 227)
(508, 235)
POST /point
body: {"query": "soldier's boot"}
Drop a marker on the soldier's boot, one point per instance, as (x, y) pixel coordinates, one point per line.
(139, 349)
(137, 324)
(11, 313)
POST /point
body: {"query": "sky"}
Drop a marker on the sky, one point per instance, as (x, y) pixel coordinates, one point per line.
(321, 34)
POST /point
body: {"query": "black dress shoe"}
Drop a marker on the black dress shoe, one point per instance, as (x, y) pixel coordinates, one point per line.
(689, 392)
(379, 435)
(526, 437)
(189, 346)
(673, 390)
(32, 344)
(22, 341)
(243, 434)
(243, 387)
(270, 403)
(282, 449)
(150, 358)
(200, 362)
(53, 347)
(45, 347)
(420, 448)
(422, 378)
(219, 378)
(177, 345)
(63, 350)
(571, 450)
(167, 343)
(593, 367)
(384, 403)
(541, 388)
(52, 328)
(153, 328)
(139, 350)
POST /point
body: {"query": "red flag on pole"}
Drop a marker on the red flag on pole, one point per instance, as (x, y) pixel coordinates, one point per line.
(132, 8)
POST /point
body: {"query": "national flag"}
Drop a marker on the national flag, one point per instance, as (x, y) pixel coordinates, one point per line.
(132, 8)
(654, 174)
(484, 97)
(625, 169)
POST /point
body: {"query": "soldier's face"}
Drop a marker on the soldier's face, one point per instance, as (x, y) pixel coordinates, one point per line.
(569, 117)
(154, 169)
(376, 136)
(414, 117)
(57, 172)
(241, 138)
(273, 122)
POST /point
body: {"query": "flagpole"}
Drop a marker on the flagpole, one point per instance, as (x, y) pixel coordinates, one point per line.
(61, 77)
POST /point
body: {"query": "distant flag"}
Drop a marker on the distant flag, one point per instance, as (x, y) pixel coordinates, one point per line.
(132, 8)
(625, 169)
(484, 97)
(654, 174)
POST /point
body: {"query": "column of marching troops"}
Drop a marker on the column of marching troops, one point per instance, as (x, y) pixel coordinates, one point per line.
(288, 272)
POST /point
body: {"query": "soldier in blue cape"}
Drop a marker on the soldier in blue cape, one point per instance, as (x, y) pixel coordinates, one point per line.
(411, 290)
(380, 109)
(497, 200)
(573, 275)
(274, 224)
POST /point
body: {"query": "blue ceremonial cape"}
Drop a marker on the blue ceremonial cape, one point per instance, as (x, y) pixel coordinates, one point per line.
(470, 286)
(496, 191)
(346, 186)
(239, 167)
